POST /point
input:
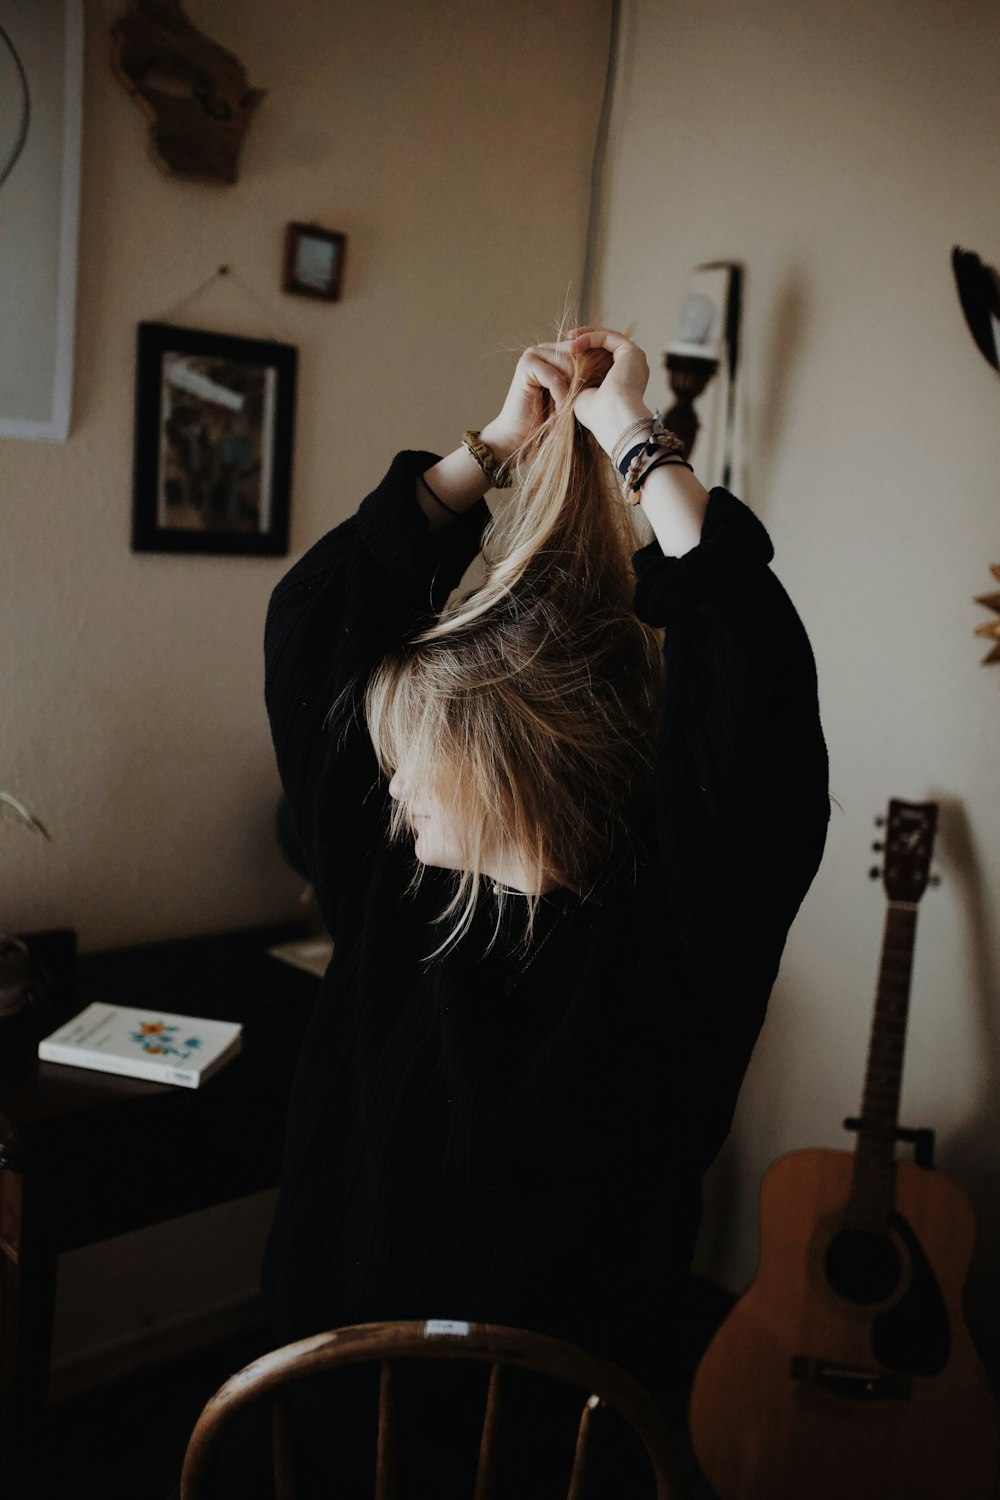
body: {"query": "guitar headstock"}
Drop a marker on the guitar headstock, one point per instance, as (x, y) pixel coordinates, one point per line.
(909, 843)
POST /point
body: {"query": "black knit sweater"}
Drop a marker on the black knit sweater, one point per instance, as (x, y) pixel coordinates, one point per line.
(469, 1141)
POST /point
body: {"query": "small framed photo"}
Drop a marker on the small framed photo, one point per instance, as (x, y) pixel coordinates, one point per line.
(214, 416)
(314, 260)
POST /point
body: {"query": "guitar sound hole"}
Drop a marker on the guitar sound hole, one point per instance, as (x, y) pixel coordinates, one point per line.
(862, 1267)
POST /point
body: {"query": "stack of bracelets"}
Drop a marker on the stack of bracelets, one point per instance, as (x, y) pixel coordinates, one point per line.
(634, 461)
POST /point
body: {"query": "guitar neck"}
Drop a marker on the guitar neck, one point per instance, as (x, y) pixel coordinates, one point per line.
(874, 1178)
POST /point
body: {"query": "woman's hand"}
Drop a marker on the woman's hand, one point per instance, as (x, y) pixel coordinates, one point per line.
(543, 373)
(607, 408)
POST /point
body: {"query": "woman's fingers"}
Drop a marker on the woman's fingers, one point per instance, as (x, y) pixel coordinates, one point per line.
(560, 354)
(607, 365)
(566, 355)
(628, 362)
(579, 342)
(622, 372)
(595, 365)
(601, 338)
(552, 366)
(548, 376)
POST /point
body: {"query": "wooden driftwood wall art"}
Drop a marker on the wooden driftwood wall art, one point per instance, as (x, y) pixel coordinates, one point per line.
(195, 95)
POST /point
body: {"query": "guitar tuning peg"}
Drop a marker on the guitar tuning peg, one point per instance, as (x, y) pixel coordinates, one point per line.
(934, 880)
(874, 873)
(878, 848)
(880, 821)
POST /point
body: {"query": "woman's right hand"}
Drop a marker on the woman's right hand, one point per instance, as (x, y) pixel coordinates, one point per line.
(608, 408)
(542, 370)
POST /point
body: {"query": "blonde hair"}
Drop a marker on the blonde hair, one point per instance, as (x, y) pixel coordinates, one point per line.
(530, 707)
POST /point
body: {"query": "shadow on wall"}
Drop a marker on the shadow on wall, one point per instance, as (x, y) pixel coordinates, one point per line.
(784, 353)
(790, 1048)
(972, 1153)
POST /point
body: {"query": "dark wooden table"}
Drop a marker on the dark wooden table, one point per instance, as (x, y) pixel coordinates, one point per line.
(85, 1156)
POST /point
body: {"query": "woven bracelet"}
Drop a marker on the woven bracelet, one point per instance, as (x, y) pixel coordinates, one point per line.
(637, 473)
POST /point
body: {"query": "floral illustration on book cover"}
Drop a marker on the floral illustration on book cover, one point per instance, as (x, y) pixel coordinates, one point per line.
(158, 1040)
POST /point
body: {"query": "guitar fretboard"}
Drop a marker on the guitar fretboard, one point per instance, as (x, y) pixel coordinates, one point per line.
(874, 1176)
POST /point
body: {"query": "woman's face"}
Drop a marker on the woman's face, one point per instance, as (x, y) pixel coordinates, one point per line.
(436, 832)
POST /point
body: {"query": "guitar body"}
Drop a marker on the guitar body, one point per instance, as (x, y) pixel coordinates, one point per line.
(846, 1372)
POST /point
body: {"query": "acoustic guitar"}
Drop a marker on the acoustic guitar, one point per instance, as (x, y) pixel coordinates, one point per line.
(846, 1372)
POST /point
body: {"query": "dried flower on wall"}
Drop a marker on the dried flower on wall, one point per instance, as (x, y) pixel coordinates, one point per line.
(992, 601)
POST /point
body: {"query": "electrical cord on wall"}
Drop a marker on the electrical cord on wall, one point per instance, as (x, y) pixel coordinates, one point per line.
(597, 164)
(733, 309)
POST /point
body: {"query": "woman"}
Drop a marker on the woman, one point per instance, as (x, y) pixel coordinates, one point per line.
(608, 764)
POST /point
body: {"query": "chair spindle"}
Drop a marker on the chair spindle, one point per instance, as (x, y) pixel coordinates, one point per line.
(386, 1343)
(581, 1458)
(486, 1470)
(281, 1450)
(385, 1467)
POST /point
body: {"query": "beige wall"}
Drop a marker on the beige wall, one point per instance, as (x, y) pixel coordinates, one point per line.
(452, 143)
(840, 152)
(437, 138)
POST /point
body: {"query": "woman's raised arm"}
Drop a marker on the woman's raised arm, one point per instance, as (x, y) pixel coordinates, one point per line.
(672, 497)
(742, 797)
(457, 481)
(360, 591)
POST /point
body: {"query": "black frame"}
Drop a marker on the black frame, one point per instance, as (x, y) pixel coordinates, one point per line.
(148, 532)
(290, 283)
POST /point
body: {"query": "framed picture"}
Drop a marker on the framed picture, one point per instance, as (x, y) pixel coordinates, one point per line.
(41, 102)
(213, 442)
(314, 260)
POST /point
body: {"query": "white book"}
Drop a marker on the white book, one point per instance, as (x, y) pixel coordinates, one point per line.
(164, 1048)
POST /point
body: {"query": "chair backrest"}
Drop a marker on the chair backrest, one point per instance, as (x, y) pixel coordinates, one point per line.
(604, 1384)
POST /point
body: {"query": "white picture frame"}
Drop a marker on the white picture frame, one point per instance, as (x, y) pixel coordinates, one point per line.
(41, 63)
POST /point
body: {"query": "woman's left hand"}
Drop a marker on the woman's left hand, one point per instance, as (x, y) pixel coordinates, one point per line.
(617, 397)
(543, 371)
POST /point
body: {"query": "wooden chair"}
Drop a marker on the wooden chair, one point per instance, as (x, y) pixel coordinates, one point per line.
(604, 1384)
